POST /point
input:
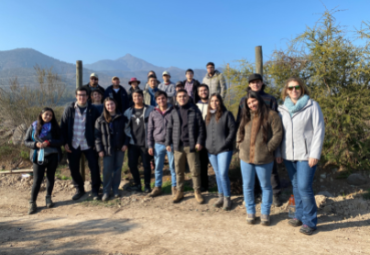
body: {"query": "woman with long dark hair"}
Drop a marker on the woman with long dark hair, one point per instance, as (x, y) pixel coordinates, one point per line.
(221, 129)
(109, 143)
(44, 139)
(260, 133)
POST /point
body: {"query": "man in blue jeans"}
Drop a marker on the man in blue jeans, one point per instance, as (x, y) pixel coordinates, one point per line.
(157, 127)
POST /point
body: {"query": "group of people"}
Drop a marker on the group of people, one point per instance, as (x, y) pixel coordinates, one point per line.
(189, 123)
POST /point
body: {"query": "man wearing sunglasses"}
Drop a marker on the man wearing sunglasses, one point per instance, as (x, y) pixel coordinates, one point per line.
(256, 84)
(93, 85)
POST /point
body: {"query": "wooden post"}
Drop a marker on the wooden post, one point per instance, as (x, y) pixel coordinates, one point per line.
(78, 85)
(259, 60)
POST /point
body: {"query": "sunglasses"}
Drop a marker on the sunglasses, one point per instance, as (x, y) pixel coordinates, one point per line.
(94, 79)
(294, 87)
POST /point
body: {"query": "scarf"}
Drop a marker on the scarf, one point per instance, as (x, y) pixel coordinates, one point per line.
(293, 108)
(152, 98)
(44, 130)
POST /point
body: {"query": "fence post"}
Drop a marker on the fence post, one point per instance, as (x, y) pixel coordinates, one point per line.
(78, 85)
(259, 60)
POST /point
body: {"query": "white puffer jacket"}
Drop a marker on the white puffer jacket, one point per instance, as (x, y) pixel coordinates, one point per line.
(303, 133)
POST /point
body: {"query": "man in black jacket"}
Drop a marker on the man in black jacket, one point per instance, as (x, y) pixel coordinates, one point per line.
(77, 127)
(93, 85)
(186, 132)
(191, 85)
(119, 94)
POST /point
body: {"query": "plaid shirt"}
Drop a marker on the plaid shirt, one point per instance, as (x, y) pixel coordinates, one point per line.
(79, 139)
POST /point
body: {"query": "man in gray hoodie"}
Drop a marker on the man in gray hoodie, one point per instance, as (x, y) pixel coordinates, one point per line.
(215, 80)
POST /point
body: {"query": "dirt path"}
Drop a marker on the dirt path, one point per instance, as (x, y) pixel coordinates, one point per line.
(137, 225)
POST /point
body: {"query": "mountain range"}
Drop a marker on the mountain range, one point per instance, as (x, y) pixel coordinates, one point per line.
(20, 63)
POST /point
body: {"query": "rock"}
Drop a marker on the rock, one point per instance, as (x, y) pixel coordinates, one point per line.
(325, 193)
(320, 201)
(19, 134)
(328, 209)
(356, 179)
(323, 176)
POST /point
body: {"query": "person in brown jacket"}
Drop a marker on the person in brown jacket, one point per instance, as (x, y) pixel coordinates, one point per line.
(260, 133)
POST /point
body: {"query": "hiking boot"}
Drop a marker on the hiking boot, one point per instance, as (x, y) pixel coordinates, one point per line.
(174, 190)
(178, 197)
(95, 196)
(251, 219)
(227, 204)
(48, 202)
(105, 197)
(265, 220)
(306, 230)
(156, 192)
(147, 189)
(32, 207)
(78, 195)
(220, 201)
(295, 222)
(276, 201)
(198, 196)
(134, 188)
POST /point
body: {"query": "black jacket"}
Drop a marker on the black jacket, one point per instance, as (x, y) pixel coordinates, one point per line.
(123, 94)
(221, 134)
(67, 122)
(87, 86)
(196, 84)
(55, 142)
(104, 140)
(195, 124)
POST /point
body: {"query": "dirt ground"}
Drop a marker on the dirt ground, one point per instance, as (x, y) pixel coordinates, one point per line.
(134, 224)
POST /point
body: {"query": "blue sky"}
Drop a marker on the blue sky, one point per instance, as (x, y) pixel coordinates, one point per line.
(165, 33)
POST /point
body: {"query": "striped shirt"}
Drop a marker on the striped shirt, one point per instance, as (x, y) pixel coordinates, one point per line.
(79, 126)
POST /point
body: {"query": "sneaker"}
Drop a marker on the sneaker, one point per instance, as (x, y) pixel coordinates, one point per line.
(306, 230)
(78, 195)
(265, 220)
(276, 201)
(48, 202)
(105, 197)
(251, 219)
(220, 202)
(95, 196)
(147, 189)
(134, 188)
(227, 204)
(32, 207)
(295, 222)
(116, 195)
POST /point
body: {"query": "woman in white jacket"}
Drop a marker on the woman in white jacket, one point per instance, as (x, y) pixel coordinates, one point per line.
(304, 132)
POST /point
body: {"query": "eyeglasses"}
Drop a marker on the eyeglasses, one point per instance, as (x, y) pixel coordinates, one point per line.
(294, 87)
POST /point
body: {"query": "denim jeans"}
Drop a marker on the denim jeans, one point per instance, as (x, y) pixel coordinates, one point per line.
(112, 171)
(263, 172)
(159, 154)
(301, 175)
(220, 164)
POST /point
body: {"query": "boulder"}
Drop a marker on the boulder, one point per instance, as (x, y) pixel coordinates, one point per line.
(19, 133)
(320, 201)
(356, 179)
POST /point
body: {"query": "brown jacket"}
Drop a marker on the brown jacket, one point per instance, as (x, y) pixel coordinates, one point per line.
(253, 149)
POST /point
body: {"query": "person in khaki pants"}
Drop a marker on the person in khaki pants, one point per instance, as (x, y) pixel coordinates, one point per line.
(186, 132)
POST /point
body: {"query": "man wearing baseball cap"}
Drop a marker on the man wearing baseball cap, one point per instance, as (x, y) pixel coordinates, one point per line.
(168, 87)
(134, 83)
(93, 85)
(119, 94)
(256, 84)
(215, 80)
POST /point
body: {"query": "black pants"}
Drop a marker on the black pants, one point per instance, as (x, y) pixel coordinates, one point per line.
(50, 166)
(93, 163)
(275, 182)
(134, 152)
(203, 156)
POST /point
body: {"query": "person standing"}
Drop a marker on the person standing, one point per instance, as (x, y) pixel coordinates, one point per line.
(301, 148)
(203, 93)
(119, 94)
(259, 135)
(215, 80)
(93, 85)
(134, 83)
(221, 131)
(44, 136)
(97, 100)
(136, 130)
(109, 142)
(191, 85)
(185, 132)
(256, 84)
(168, 87)
(149, 93)
(77, 125)
(157, 128)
